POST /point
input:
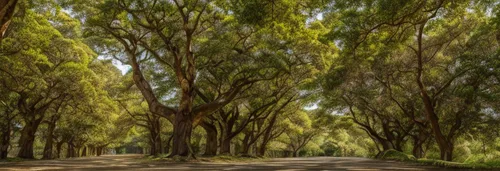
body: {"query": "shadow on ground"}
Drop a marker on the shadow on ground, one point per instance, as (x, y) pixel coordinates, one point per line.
(132, 162)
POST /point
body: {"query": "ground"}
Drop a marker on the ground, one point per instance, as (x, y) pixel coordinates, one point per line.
(136, 162)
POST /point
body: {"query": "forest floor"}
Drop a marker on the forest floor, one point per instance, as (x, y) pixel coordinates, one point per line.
(137, 162)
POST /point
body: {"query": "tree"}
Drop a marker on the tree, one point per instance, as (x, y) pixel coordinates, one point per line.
(426, 38)
(7, 9)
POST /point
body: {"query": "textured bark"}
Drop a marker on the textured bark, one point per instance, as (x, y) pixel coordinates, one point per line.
(5, 141)
(182, 135)
(71, 152)
(99, 151)
(59, 149)
(84, 151)
(7, 8)
(211, 138)
(167, 144)
(155, 135)
(444, 144)
(225, 146)
(155, 143)
(47, 150)
(28, 138)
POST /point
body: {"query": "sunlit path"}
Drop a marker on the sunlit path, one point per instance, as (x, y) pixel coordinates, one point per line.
(133, 162)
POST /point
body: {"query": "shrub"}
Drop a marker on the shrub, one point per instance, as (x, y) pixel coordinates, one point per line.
(397, 155)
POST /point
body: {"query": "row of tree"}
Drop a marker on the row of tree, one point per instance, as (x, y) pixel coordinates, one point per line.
(419, 72)
(236, 76)
(53, 86)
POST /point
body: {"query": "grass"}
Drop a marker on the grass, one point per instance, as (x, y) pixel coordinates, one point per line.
(399, 156)
(457, 165)
(396, 155)
(14, 159)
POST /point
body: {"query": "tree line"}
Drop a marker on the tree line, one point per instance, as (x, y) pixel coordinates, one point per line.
(238, 77)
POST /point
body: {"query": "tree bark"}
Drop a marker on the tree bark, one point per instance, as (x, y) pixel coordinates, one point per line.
(7, 8)
(5, 141)
(245, 143)
(211, 138)
(182, 135)
(47, 150)
(225, 146)
(71, 150)
(59, 149)
(155, 144)
(167, 145)
(84, 151)
(28, 138)
(155, 136)
(99, 151)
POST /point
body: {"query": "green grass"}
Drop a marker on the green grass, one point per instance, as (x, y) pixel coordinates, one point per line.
(457, 165)
(14, 159)
(471, 164)
(396, 155)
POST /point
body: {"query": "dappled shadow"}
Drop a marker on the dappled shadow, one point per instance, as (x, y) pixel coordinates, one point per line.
(132, 162)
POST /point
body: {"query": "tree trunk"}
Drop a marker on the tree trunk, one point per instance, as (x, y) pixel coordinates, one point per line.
(262, 149)
(47, 150)
(182, 135)
(5, 141)
(59, 149)
(246, 145)
(295, 153)
(71, 150)
(447, 153)
(84, 151)
(211, 138)
(27, 139)
(155, 142)
(225, 146)
(7, 8)
(167, 145)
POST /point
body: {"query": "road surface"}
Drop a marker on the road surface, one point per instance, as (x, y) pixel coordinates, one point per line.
(134, 162)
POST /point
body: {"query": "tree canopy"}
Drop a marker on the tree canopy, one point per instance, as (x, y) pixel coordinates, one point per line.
(276, 78)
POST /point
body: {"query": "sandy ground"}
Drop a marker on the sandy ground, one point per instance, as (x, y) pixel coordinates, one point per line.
(133, 162)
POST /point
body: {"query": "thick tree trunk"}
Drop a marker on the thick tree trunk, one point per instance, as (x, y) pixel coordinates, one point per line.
(59, 149)
(27, 139)
(211, 139)
(262, 148)
(5, 141)
(182, 135)
(47, 150)
(167, 145)
(99, 151)
(417, 151)
(295, 153)
(225, 146)
(155, 142)
(418, 143)
(84, 151)
(71, 150)
(447, 153)
(246, 145)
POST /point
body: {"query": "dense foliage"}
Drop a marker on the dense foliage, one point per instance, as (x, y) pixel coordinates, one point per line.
(402, 80)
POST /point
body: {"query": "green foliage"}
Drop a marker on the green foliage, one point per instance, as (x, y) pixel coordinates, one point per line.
(397, 155)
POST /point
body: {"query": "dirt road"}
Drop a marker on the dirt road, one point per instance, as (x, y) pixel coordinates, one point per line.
(133, 162)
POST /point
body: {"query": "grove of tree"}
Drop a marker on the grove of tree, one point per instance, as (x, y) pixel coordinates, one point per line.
(266, 78)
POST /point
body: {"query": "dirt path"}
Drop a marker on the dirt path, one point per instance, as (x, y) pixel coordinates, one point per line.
(132, 162)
